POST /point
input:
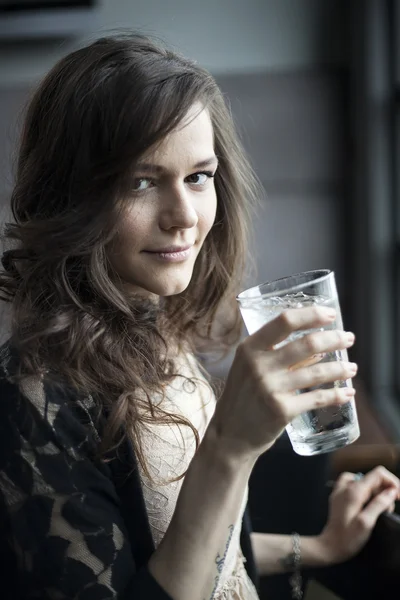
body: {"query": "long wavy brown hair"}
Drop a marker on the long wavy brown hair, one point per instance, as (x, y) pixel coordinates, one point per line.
(93, 116)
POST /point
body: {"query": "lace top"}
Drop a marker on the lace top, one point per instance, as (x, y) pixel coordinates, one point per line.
(169, 450)
(73, 527)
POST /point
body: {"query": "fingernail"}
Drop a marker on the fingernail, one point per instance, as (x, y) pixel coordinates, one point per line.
(350, 337)
(353, 368)
(330, 312)
(348, 392)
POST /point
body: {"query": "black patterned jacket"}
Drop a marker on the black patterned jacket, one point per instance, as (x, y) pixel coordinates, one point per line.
(71, 526)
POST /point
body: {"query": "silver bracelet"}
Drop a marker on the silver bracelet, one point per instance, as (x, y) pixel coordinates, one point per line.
(295, 579)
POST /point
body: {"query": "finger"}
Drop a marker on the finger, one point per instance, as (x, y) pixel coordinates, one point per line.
(299, 403)
(377, 480)
(346, 498)
(360, 492)
(307, 362)
(318, 342)
(379, 504)
(295, 319)
(316, 375)
(343, 481)
(341, 487)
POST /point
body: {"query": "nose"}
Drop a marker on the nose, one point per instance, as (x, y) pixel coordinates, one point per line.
(177, 209)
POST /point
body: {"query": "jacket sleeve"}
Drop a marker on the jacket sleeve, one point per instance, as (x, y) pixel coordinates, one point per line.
(60, 512)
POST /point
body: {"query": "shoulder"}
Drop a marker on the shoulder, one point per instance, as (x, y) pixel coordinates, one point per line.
(38, 408)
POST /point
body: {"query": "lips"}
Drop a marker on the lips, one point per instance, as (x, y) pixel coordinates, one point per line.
(171, 254)
(170, 249)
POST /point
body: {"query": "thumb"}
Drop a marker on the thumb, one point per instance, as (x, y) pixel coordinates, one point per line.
(379, 504)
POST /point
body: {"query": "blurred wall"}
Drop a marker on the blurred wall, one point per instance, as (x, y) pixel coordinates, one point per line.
(282, 64)
(223, 35)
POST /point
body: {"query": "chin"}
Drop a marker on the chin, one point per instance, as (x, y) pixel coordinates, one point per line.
(162, 283)
(173, 290)
(171, 282)
(170, 287)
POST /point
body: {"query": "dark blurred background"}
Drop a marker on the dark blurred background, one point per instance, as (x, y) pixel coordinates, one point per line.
(314, 88)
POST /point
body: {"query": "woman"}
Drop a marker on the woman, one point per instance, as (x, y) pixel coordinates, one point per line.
(121, 477)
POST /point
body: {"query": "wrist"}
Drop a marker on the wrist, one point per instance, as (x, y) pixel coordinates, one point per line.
(227, 454)
(225, 457)
(316, 552)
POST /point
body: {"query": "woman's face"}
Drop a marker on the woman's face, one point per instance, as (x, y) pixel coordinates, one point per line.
(172, 210)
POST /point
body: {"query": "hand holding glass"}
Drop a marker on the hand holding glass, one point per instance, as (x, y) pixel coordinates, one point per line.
(325, 429)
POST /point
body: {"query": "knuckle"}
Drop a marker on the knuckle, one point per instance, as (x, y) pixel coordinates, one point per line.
(288, 320)
(343, 368)
(277, 408)
(349, 490)
(337, 394)
(320, 398)
(387, 475)
(318, 312)
(363, 521)
(319, 372)
(345, 476)
(381, 470)
(271, 389)
(274, 401)
(311, 343)
(382, 501)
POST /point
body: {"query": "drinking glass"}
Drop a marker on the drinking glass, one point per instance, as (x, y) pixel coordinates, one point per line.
(324, 429)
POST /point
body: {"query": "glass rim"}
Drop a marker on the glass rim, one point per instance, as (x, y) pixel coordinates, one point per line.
(324, 274)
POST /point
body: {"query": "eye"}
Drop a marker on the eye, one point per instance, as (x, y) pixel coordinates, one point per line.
(142, 184)
(200, 179)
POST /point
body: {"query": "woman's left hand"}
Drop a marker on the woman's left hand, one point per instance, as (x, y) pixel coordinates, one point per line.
(355, 506)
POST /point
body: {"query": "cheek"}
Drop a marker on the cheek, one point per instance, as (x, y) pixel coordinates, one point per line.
(125, 241)
(207, 215)
(134, 227)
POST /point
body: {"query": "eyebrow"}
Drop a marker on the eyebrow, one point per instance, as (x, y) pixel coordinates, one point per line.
(152, 168)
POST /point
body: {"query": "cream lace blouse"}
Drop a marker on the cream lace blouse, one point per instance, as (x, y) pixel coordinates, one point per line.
(169, 450)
